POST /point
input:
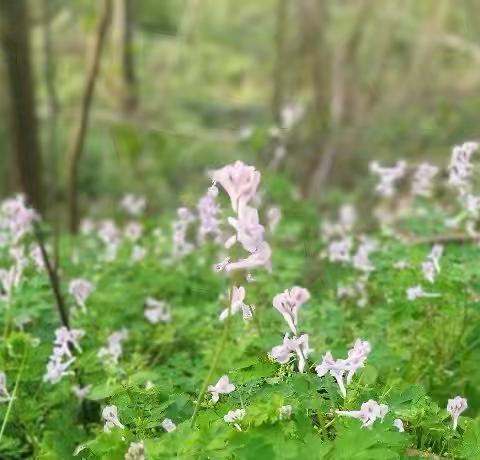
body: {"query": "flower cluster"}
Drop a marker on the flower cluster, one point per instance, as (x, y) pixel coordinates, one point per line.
(288, 303)
(66, 340)
(337, 368)
(461, 167)
(369, 412)
(234, 416)
(133, 205)
(16, 219)
(208, 211)
(182, 247)
(422, 180)
(241, 183)
(114, 349)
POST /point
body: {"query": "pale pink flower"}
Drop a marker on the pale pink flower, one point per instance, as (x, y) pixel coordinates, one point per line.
(223, 386)
(110, 415)
(133, 231)
(455, 407)
(339, 250)
(250, 232)
(16, 218)
(168, 425)
(133, 205)
(4, 394)
(288, 303)
(80, 289)
(290, 346)
(136, 451)
(417, 292)
(36, 256)
(239, 181)
(369, 412)
(81, 392)
(388, 177)
(182, 247)
(398, 424)
(260, 258)
(114, 349)
(157, 311)
(237, 304)
(234, 416)
(138, 253)
(274, 215)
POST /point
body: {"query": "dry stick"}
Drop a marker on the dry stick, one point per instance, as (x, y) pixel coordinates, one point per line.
(79, 132)
(448, 238)
(53, 277)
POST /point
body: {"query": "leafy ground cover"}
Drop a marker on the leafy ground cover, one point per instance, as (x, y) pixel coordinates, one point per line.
(305, 338)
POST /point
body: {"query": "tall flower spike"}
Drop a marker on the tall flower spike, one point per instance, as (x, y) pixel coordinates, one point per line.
(223, 386)
(455, 407)
(288, 303)
(239, 181)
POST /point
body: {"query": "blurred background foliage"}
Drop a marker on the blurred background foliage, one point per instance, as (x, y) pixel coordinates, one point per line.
(198, 83)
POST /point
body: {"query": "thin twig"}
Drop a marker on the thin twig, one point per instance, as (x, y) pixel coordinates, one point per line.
(53, 277)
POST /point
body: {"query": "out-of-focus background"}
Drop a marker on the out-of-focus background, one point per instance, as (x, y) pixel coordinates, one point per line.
(103, 97)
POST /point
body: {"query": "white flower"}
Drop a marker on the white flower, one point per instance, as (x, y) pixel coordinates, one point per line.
(81, 392)
(398, 424)
(133, 205)
(138, 253)
(80, 289)
(235, 416)
(339, 251)
(431, 267)
(455, 407)
(157, 311)
(274, 214)
(460, 166)
(288, 303)
(369, 412)
(4, 394)
(337, 368)
(388, 177)
(416, 292)
(136, 451)
(298, 345)
(285, 412)
(223, 386)
(110, 415)
(114, 349)
(422, 179)
(168, 425)
(238, 304)
(239, 181)
(133, 231)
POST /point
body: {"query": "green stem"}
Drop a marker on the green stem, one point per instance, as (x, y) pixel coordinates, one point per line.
(216, 356)
(14, 392)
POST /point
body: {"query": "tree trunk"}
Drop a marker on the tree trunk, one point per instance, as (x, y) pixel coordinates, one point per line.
(280, 64)
(80, 130)
(123, 28)
(25, 148)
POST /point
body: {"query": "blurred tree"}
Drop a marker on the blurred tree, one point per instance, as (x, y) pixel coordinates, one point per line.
(80, 129)
(25, 148)
(123, 29)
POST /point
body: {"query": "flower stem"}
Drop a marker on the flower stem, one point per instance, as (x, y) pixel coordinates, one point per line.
(216, 356)
(14, 392)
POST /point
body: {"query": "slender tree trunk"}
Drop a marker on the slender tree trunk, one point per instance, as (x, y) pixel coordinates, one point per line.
(280, 64)
(79, 131)
(123, 29)
(25, 148)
